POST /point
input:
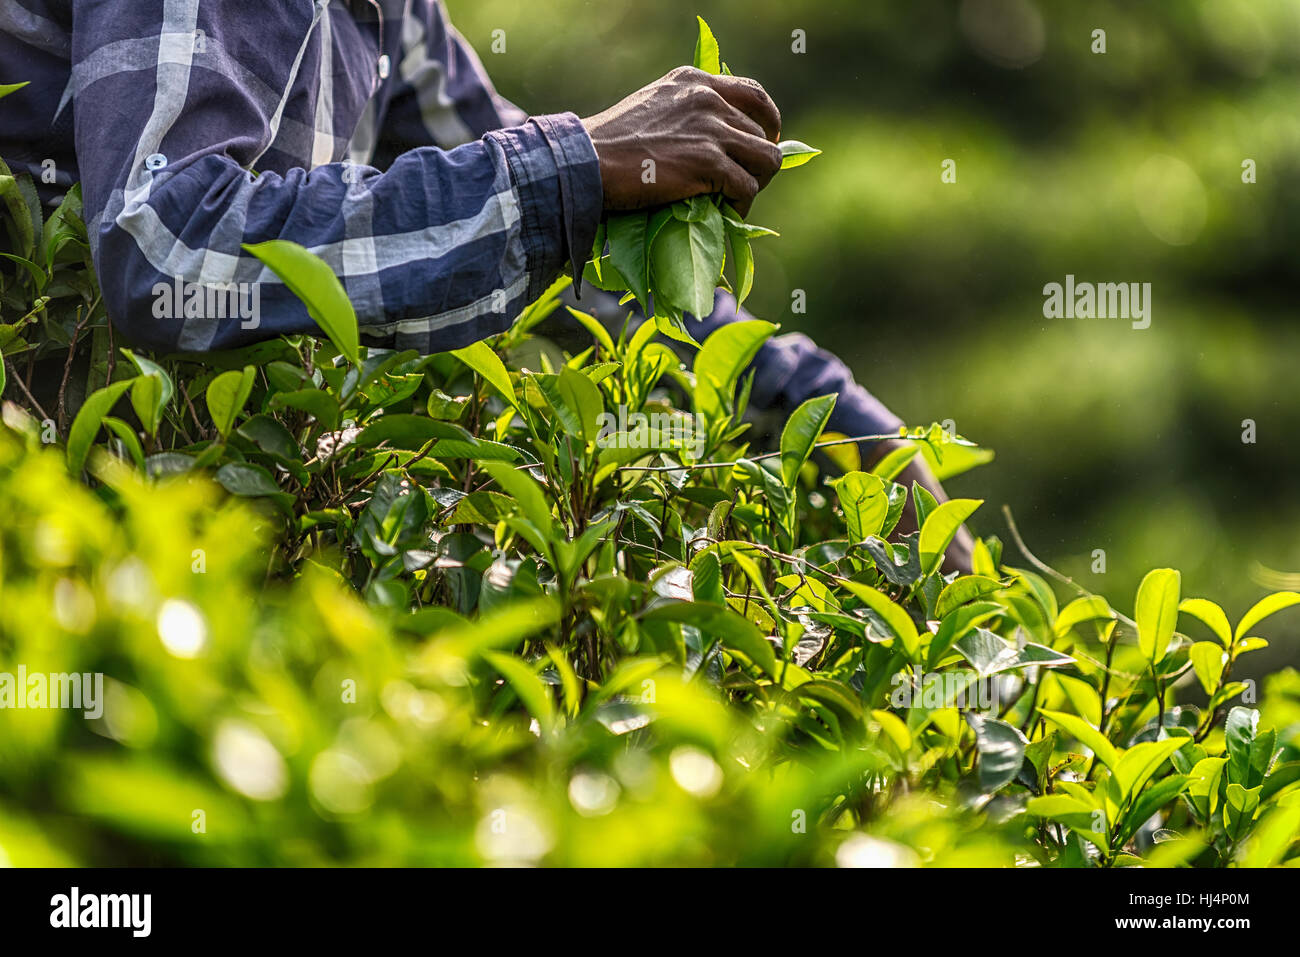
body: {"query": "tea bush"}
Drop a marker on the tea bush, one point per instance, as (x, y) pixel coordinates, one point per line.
(517, 605)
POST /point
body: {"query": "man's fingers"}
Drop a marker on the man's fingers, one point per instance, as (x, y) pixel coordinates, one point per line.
(735, 121)
(760, 157)
(709, 134)
(750, 98)
(736, 183)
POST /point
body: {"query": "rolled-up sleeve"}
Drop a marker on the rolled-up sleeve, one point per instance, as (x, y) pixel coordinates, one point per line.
(554, 167)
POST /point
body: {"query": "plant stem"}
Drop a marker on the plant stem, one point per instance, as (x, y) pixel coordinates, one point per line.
(758, 458)
(26, 391)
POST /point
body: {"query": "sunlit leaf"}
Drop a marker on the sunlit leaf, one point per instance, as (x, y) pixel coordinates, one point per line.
(795, 153)
(1263, 608)
(1157, 611)
(940, 527)
(1212, 615)
(721, 359)
(802, 430)
(313, 281)
(488, 364)
(707, 57)
(1086, 734)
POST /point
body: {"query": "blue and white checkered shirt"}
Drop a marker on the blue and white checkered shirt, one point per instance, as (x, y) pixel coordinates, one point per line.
(196, 126)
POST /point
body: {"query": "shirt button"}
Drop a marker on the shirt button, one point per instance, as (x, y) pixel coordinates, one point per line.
(385, 67)
(155, 162)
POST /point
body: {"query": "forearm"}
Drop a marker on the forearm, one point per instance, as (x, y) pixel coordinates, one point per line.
(443, 249)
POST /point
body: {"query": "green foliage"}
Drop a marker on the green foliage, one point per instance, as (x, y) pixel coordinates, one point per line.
(794, 153)
(361, 606)
(320, 608)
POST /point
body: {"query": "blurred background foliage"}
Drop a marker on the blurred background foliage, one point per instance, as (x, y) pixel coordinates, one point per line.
(1117, 167)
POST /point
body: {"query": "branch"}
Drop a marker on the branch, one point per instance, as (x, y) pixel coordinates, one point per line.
(26, 391)
(1047, 569)
(766, 455)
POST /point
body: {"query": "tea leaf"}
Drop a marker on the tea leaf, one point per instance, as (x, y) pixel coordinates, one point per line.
(488, 364)
(940, 527)
(1212, 615)
(1270, 605)
(627, 253)
(1001, 748)
(1086, 734)
(686, 261)
(86, 425)
(707, 57)
(802, 430)
(226, 396)
(1156, 612)
(794, 153)
(311, 280)
(721, 359)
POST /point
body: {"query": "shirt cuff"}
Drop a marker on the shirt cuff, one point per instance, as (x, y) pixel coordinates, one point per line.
(554, 168)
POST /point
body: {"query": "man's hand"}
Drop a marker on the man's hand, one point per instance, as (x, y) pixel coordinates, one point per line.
(703, 133)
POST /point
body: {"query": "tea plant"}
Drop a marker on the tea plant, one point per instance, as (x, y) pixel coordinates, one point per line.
(511, 604)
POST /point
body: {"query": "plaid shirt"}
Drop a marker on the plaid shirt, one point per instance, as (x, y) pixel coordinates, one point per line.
(196, 126)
